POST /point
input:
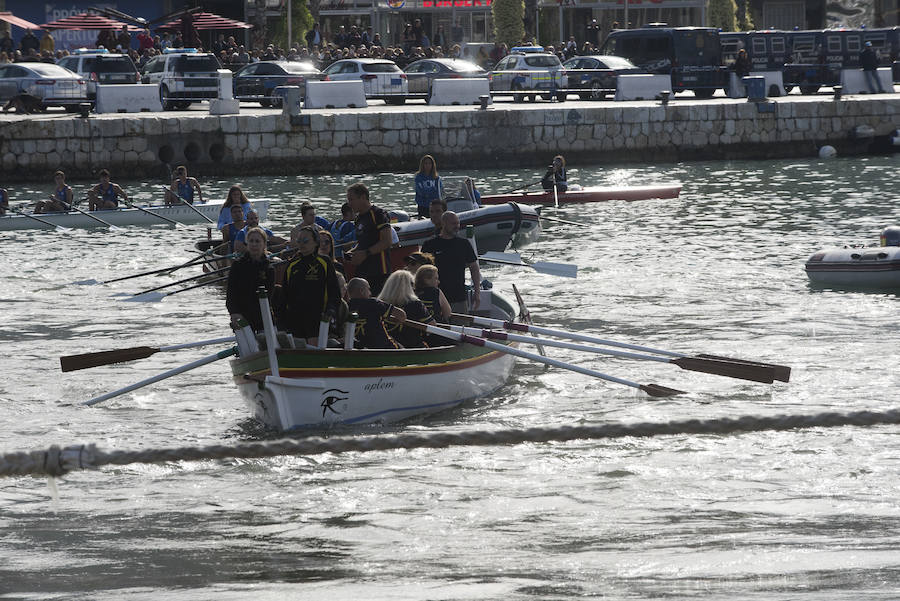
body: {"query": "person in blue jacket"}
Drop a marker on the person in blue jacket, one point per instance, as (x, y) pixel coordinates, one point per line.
(343, 230)
(428, 185)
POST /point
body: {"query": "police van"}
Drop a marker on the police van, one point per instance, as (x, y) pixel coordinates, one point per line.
(183, 76)
(691, 55)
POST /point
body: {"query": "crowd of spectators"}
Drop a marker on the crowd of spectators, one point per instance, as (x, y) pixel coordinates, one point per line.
(320, 49)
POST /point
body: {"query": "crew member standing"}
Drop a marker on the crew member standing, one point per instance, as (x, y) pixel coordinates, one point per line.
(371, 255)
(453, 255)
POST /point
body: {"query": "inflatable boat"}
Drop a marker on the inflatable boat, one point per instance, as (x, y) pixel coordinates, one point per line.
(859, 267)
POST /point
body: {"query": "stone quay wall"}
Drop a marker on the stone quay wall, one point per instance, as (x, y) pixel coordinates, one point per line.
(393, 138)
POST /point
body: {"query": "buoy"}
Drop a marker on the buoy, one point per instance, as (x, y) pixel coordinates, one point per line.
(826, 152)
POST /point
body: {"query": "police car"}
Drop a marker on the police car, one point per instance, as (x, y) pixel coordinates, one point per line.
(99, 66)
(529, 71)
(183, 76)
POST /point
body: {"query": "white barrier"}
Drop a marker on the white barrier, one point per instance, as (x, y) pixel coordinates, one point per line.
(774, 84)
(459, 91)
(225, 104)
(641, 87)
(127, 98)
(334, 94)
(853, 81)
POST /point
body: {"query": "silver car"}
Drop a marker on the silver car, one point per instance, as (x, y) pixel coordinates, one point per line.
(422, 73)
(381, 78)
(51, 84)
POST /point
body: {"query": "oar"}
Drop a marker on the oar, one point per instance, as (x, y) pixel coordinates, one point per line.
(780, 372)
(182, 281)
(88, 360)
(168, 374)
(651, 389)
(59, 228)
(95, 218)
(164, 218)
(189, 205)
(195, 261)
(555, 194)
(155, 297)
(563, 270)
(729, 369)
(558, 220)
(522, 188)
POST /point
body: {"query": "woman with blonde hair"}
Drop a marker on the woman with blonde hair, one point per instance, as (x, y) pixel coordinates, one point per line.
(428, 185)
(398, 291)
(426, 289)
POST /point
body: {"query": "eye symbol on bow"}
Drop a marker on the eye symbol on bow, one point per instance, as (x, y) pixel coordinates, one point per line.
(331, 399)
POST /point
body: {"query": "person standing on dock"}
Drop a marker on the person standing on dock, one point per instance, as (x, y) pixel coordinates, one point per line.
(428, 185)
(105, 195)
(556, 175)
(868, 60)
(183, 187)
(60, 200)
(370, 256)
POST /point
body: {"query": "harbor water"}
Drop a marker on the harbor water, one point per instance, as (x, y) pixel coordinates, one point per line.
(811, 514)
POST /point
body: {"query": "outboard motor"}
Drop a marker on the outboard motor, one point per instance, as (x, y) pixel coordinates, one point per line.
(890, 236)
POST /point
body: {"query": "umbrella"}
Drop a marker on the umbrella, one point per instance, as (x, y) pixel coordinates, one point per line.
(17, 21)
(204, 21)
(88, 21)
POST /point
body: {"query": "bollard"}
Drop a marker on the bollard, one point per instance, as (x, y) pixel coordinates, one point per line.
(290, 99)
(664, 97)
(484, 99)
(838, 90)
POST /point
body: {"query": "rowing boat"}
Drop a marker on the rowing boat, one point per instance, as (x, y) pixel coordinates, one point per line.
(318, 388)
(586, 195)
(151, 215)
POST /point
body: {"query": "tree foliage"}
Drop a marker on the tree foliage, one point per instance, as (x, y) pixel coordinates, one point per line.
(302, 21)
(722, 14)
(745, 19)
(508, 25)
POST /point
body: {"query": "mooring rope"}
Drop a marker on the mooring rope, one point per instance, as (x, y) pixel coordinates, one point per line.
(57, 461)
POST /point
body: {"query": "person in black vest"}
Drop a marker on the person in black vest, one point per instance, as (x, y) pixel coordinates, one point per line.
(371, 331)
(452, 256)
(868, 60)
(370, 256)
(247, 274)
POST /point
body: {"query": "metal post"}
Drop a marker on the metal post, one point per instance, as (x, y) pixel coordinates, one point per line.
(289, 24)
(560, 22)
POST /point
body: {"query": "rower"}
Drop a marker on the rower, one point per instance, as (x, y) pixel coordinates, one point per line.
(309, 217)
(370, 329)
(556, 174)
(184, 187)
(230, 231)
(105, 195)
(343, 230)
(371, 255)
(452, 256)
(435, 211)
(240, 245)
(61, 198)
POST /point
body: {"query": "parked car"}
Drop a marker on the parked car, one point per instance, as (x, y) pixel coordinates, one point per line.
(422, 73)
(99, 66)
(183, 76)
(51, 84)
(597, 74)
(257, 81)
(381, 78)
(529, 72)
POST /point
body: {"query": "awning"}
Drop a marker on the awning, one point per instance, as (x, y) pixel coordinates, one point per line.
(9, 18)
(204, 21)
(88, 21)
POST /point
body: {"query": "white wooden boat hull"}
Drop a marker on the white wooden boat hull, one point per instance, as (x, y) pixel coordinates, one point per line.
(870, 267)
(122, 217)
(297, 399)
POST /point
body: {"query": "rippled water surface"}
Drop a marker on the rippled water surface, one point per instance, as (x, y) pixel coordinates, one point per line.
(812, 514)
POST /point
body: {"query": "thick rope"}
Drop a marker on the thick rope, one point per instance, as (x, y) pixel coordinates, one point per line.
(56, 461)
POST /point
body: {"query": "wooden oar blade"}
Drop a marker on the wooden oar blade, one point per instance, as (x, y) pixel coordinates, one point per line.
(563, 270)
(88, 360)
(656, 390)
(729, 369)
(782, 372)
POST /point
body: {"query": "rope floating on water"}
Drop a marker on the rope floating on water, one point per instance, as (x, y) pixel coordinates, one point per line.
(57, 461)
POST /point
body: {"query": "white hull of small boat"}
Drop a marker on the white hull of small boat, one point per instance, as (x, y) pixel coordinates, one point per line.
(870, 267)
(317, 388)
(121, 217)
(495, 227)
